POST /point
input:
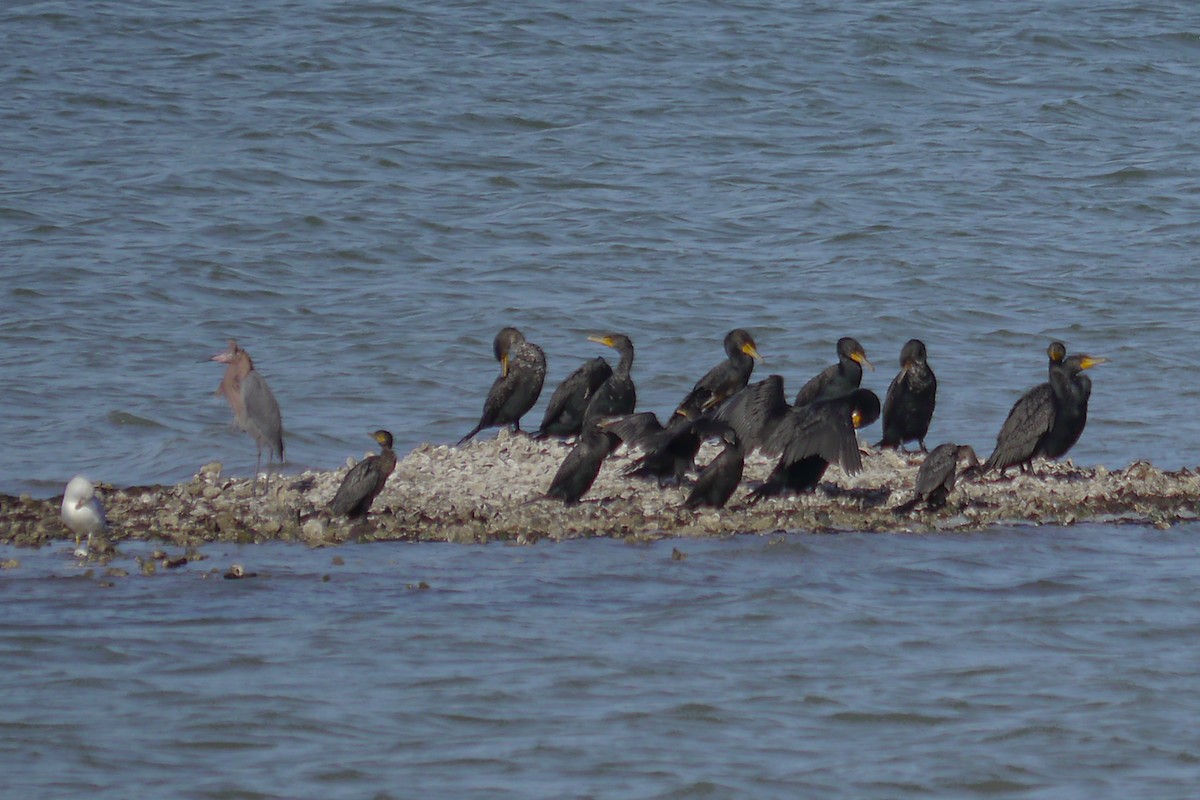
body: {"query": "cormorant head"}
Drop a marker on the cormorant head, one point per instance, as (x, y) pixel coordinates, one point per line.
(851, 349)
(864, 407)
(502, 345)
(913, 352)
(739, 340)
(965, 451)
(617, 341)
(1080, 361)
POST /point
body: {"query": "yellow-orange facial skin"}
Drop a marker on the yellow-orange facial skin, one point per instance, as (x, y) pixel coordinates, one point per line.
(1090, 361)
(861, 358)
(749, 349)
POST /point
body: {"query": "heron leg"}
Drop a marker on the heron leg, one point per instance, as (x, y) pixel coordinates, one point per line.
(257, 467)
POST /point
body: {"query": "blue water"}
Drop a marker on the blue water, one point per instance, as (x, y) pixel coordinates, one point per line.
(1007, 663)
(363, 193)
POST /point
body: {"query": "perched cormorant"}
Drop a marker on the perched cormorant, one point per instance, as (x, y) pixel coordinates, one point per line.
(564, 415)
(579, 469)
(1049, 418)
(937, 475)
(1072, 414)
(617, 394)
(908, 407)
(754, 411)
(837, 380)
(522, 371)
(254, 408)
(669, 452)
(809, 437)
(365, 480)
(725, 379)
(720, 478)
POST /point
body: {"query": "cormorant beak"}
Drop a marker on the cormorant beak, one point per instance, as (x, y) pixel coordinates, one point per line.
(862, 359)
(604, 340)
(1090, 361)
(856, 418)
(749, 349)
(504, 366)
(223, 357)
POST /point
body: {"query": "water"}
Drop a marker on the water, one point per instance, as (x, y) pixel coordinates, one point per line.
(363, 193)
(960, 665)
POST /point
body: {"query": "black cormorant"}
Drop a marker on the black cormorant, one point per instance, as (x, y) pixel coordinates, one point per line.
(365, 480)
(1072, 413)
(723, 380)
(522, 371)
(1033, 427)
(908, 407)
(669, 452)
(579, 469)
(809, 437)
(937, 475)
(617, 394)
(564, 415)
(720, 478)
(839, 379)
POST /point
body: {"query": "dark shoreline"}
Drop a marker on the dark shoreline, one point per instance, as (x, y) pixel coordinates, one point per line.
(483, 492)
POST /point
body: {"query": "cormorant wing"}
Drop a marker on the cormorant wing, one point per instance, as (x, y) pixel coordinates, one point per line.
(1030, 419)
(574, 385)
(823, 429)
(812, 390)
(503, 388)
(896, 389)
(358, 483)
(635, 430)
(937, 467)
(714, 388)
(754, 411)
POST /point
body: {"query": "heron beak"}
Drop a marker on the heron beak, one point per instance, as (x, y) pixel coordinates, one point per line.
(749, 349)
(861, 358)
(1090, 361)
